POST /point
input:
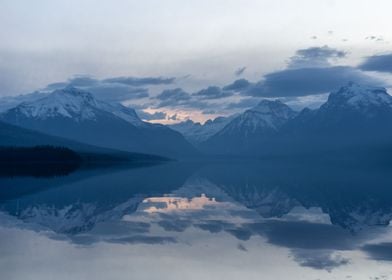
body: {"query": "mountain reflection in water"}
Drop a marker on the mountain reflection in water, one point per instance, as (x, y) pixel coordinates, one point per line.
(234, 220)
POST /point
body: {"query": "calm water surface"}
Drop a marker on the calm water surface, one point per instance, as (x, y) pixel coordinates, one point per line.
(239, 220)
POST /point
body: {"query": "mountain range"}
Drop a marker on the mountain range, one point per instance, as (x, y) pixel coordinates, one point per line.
(88, 199)
(197, 133)
(75, 114)
(354, 118)
(244, 133)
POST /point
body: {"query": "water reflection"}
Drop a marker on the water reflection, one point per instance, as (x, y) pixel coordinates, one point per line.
(243, 219)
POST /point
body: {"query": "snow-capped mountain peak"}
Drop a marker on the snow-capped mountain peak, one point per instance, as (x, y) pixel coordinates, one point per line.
(359, 97)
(76, 104)
(267, 114)
(77, 115)
(68, 103)
(196, 132)
(274, 107)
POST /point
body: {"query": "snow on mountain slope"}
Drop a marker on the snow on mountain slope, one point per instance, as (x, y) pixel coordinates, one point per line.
(9, 102)
(125, 113)
(68, 103)
(74, 104)
(75, 114)
(79, 217)
(354, 119)
(358, 97)
(197, 132)
(267, 115)
(246, 133)
(352, 106)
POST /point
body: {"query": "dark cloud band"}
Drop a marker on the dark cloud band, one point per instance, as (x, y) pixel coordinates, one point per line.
(145, 81)
(308, 81)
(379, 63)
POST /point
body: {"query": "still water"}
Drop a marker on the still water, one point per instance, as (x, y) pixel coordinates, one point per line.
(238, 220)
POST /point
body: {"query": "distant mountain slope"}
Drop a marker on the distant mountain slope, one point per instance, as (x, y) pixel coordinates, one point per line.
(354, 117)
(9, 102)
(14, 136)
(267, 115)
(77, 115)
(196, 132)
(245, 132)
(11, 135)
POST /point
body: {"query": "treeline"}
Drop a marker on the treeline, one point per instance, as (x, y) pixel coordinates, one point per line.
(38, 154)
(48, 161)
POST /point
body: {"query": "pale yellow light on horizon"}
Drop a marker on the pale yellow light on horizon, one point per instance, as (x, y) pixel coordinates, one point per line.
(169, 204)
(181, 115)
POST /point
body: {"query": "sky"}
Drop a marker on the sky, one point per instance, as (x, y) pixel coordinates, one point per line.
(175, 59)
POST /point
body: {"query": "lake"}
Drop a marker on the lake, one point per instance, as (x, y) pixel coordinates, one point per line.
(242, 219)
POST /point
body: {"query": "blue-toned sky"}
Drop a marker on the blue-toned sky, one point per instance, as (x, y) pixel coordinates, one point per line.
(177, 59)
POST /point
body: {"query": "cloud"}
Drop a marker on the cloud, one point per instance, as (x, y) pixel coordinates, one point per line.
(172, 97)
(135, 81)
(213, 226)
(212, 92)
(83, 81)
(315, 57)
(381, 251)
(104, 89)
(209, 112)
(240, 233)
(304, 235)
(240, 71)
(117, 93)
(241, 247)
(176, 225)
(124, 89)
(374, 38)
(309, 72)
(177, 94)
(308, 81)
(150, 117)
(178, 98)
(140, 239)
(57, 85)
(243, 103)
(379, 63)
(173, 117)
(318, 259)
(77, 81)
(237, 85)
(87, 81)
